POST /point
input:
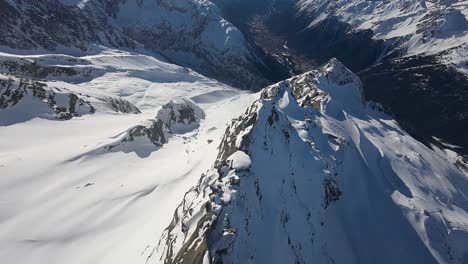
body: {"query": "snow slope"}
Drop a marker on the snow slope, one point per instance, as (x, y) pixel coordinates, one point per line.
(64, 200)
(310, 174)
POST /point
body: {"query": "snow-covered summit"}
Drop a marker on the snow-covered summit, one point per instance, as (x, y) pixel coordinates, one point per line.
(336, 73)
(340, 183)
(332, 87)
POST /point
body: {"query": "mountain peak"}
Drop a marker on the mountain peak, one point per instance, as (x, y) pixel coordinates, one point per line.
(332, 166)
(337, 73)
(331, 88)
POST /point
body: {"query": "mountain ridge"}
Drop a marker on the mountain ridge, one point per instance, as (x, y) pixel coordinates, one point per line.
(242, 210)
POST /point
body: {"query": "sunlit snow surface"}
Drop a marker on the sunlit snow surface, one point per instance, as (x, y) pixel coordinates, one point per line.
(61, 201)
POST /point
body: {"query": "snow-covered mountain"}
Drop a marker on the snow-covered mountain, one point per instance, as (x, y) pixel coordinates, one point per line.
(410, 27)
(188, 32)
(102, 136)
(308, 174)
(425, 56)
(406, 53)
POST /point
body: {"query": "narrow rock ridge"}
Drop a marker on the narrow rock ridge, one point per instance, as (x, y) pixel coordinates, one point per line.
(208, 202)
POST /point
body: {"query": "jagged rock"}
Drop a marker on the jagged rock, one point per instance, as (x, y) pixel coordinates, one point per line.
(177, 116)
(180, 115)
(31, 69)
(155, 131)
(121, 105)
(337, 73)
(28, 97)
(62, 104)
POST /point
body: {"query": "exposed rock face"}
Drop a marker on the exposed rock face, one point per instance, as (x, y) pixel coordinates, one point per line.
(178, 116)
(31, 69)
(49, 25)
(23, 99)
(338, 74)
(191, 33)
(156, 131)
(62, 104)
(121, 105)
(333, 164)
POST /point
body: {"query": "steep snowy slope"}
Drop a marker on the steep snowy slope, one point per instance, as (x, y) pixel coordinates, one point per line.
(309, 174)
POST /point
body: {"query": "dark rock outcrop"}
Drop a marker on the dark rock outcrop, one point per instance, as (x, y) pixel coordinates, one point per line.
(63, 104)
(178, 116)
